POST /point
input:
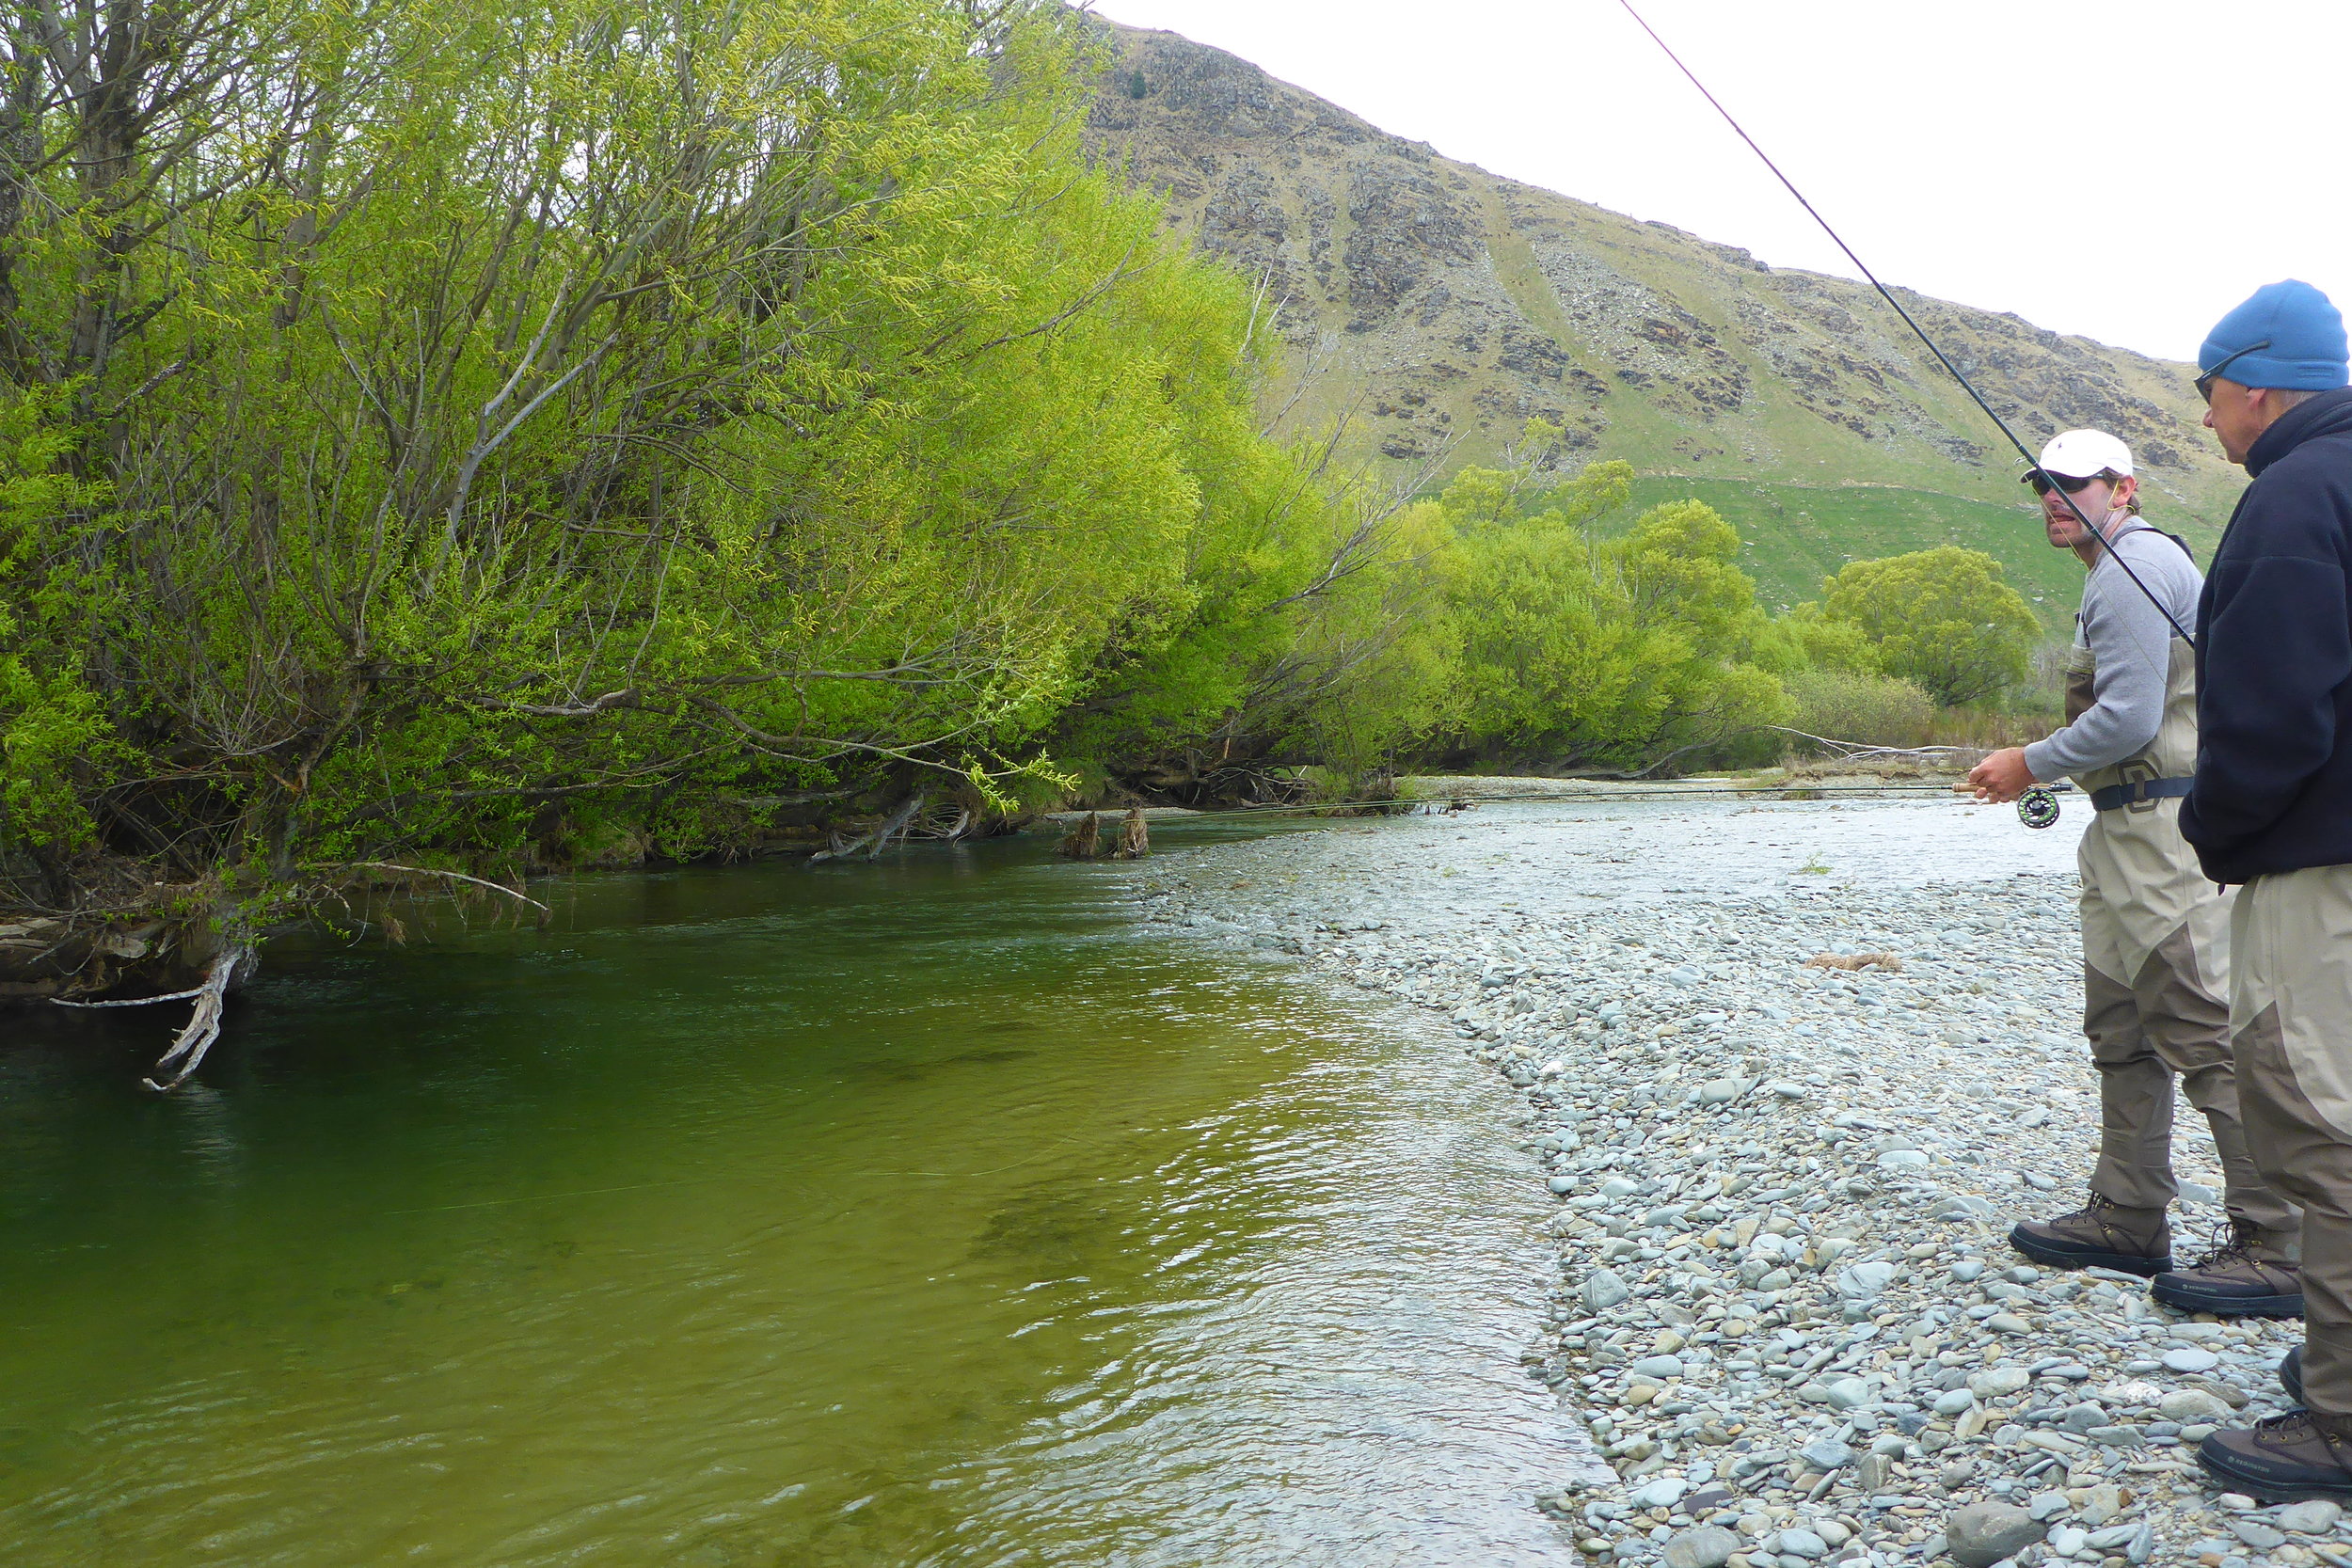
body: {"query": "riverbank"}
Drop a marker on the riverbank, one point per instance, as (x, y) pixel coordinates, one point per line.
(1785, 1309)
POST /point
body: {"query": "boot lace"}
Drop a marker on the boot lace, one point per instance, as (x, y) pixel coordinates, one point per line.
(2090, 1210)
(2297, 1426)
(2231, 1243)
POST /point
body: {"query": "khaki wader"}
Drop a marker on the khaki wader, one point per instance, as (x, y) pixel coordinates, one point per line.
(2291, 1030)
(2155, 968)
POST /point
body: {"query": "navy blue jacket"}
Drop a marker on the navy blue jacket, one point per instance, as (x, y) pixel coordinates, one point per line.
(2273, 658)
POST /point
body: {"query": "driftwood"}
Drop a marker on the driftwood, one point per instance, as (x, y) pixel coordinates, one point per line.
(544, 913)
(203, 1026)
(1891, 963)
(874, 843)
(234, 961)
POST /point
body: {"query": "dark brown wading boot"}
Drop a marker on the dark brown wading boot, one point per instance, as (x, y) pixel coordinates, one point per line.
(2099, 1235)
(2291, 1374)
(2239, 1278)
(2286, 1459)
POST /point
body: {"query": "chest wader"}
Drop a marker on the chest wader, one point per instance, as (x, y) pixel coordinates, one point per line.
(2155, 969)
(2291, 1017)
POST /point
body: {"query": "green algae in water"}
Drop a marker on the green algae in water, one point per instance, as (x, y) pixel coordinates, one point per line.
(917, 1213)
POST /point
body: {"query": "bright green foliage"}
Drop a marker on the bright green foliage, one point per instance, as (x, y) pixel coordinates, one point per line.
(1944, 619)
(441, 429)
(1862, 709)
(53, 733)
(1805, 639)
(1575, 651)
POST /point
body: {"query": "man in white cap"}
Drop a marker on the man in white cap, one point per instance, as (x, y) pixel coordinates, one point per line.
(2155, 929)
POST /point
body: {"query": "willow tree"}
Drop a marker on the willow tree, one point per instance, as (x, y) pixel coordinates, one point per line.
(436, 430)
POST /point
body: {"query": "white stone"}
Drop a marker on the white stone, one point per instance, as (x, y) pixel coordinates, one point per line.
(1847, 1393)
(1722, 1091)
(1865, 1280)
(1801, 1543)
(2193, 1404)
(1604, 1290)
(2316, 1517)
(1994, 1382)
(1826, 1453)
(1664, 1492)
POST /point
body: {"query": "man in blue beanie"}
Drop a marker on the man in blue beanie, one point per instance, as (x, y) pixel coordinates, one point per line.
(2271, 812)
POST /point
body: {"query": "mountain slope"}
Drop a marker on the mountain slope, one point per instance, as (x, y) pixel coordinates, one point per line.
(1436, 308)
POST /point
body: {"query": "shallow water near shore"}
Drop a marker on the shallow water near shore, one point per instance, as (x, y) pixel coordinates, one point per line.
(924, 1212)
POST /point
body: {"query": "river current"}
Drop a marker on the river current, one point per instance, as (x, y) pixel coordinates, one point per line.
(925, 1212)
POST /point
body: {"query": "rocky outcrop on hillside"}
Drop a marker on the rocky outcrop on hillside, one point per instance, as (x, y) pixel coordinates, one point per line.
(1437, 308)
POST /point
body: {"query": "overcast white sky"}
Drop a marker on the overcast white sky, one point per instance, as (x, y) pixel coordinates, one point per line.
(2128, 171)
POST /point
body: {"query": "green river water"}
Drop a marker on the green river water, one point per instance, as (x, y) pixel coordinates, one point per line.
(926, 1212)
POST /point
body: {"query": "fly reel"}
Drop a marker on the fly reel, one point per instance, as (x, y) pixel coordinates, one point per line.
(2038, 808)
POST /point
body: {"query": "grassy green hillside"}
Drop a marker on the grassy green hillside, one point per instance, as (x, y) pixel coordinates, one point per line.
(1794, 535)
(1426, 310)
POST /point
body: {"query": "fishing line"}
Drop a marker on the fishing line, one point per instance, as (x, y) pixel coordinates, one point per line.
(1887, 294)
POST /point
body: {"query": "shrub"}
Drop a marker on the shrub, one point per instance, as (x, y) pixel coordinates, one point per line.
(1942, 618)
(1870, 711)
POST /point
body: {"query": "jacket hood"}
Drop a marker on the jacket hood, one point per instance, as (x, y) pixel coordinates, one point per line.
(2328, 414)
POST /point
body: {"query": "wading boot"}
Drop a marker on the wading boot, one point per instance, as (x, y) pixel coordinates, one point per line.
(2240, 1277)
(2099, 1235)
(2286, 1459)
(2291, 1374)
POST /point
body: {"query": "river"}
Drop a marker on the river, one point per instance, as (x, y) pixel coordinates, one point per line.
(934, 1211)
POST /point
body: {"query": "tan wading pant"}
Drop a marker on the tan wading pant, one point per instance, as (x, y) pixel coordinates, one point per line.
(2155, 968)
(2155, 965)
(2291, 1025)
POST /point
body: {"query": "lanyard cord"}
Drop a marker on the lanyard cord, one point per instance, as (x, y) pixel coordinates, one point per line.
(1919, 331)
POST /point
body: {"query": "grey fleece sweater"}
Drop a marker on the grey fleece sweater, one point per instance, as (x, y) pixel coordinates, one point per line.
(2132, 645)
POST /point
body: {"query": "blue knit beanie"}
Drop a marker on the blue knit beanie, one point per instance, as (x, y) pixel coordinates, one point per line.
(2306, 344)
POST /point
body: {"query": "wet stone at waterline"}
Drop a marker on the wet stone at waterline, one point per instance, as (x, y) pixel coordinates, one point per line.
(1784, 1283)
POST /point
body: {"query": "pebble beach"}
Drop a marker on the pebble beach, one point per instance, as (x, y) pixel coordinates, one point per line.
(1788, 1073)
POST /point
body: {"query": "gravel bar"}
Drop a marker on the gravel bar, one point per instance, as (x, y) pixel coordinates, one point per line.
(1785, 1309)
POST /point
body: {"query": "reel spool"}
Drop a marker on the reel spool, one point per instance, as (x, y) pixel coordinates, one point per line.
(2038, 808)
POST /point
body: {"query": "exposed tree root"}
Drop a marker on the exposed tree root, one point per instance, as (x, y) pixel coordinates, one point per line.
(1135, 837)
(877, 841)
(1084, 840)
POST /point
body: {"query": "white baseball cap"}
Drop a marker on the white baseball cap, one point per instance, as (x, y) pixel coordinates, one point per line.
(2083, 455)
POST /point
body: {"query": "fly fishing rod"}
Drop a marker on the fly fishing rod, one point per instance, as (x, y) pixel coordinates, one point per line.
(1758, 794)
(1887, 294)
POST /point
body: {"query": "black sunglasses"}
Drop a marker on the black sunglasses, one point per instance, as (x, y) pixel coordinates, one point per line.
(2205, 382)
(2042, 479)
